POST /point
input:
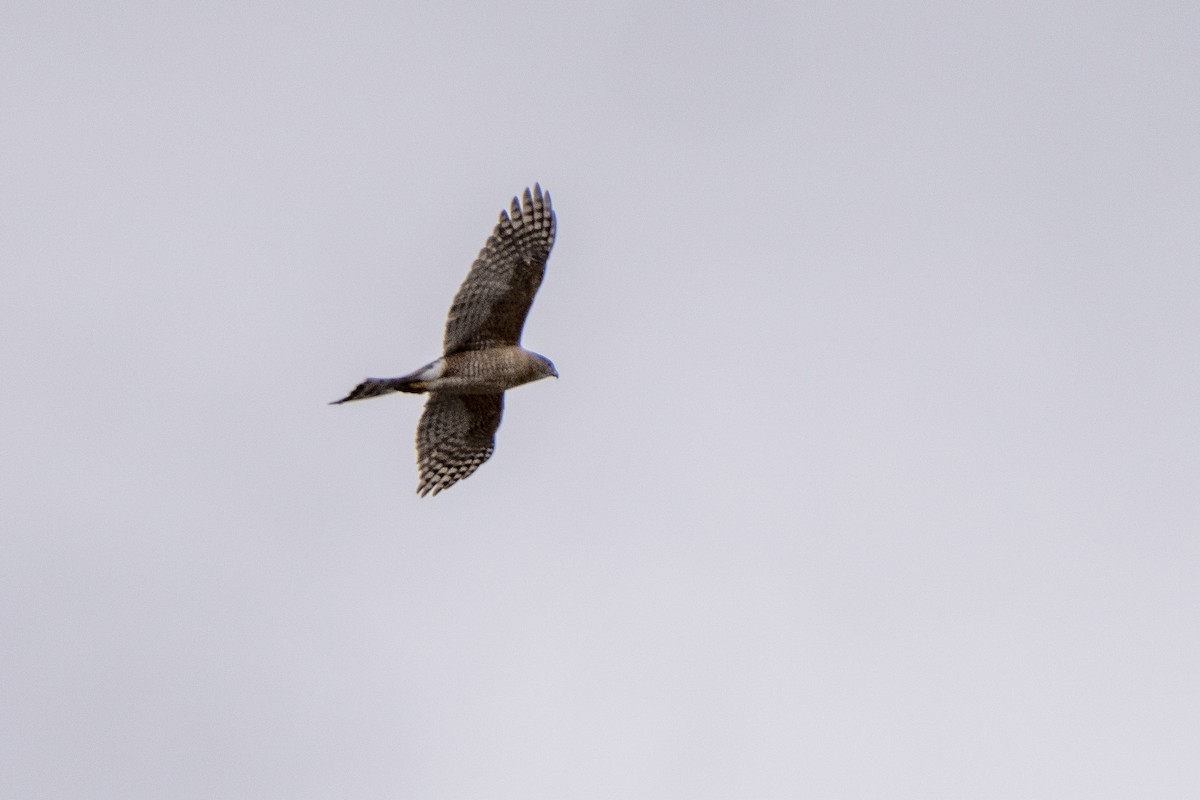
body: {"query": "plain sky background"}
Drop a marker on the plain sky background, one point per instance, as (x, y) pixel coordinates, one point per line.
(873, 470)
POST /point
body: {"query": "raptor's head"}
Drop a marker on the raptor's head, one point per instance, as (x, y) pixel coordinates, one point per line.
(545, 367)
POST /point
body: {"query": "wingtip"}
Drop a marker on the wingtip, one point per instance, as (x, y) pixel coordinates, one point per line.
(532, 197)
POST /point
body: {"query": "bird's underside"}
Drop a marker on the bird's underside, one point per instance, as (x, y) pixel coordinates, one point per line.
(482, 356)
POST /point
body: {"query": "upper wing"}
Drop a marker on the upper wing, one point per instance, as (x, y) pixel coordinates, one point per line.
(456, 434)
(490, 307)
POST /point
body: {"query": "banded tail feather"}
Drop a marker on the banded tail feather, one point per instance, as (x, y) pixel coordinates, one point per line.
(374, 387)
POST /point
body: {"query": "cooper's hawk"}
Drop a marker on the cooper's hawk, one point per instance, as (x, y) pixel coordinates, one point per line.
(482, 355)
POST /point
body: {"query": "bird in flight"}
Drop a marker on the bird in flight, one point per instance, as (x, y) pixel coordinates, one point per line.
(482, 355)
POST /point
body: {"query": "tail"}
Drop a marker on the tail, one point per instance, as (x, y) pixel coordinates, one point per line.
(374, 387)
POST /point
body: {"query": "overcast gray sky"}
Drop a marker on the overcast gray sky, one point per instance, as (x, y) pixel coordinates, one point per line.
(873, 470)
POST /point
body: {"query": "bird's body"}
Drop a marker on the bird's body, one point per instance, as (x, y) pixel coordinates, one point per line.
(482, 357)
(495, 369)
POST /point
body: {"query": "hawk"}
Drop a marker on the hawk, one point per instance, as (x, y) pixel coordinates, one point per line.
(482, 355)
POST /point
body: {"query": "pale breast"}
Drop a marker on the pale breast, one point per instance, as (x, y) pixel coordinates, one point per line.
(487, 371)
